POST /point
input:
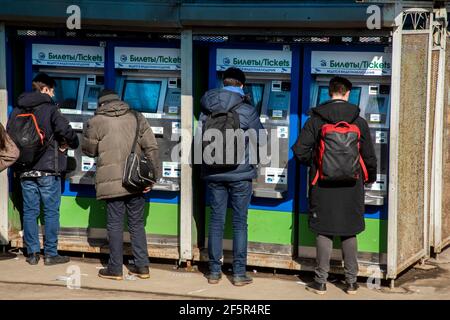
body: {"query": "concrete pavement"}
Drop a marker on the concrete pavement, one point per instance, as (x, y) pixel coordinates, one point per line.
(167, 282)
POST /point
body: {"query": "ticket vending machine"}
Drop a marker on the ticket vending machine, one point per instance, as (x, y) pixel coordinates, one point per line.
(369, 73)
(78, 73)
(272, 85)
(271, 95)
(148, 79)
(371, 92)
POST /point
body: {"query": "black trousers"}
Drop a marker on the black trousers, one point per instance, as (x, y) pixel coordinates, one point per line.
(116, 208)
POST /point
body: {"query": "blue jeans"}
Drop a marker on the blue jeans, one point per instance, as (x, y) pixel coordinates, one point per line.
(239, 193)
(47, 190)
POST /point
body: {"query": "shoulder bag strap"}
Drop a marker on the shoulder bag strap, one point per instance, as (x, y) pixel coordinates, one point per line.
(133, 148)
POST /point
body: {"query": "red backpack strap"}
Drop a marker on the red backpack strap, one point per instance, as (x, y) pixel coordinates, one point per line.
(315, 178)
(319, 153)
(38, 129)
(364, 169)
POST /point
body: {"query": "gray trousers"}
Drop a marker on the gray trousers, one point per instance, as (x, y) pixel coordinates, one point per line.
(324, 246)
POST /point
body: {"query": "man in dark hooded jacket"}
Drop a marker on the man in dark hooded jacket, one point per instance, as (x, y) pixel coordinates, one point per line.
(336, 208)
(235, 184)
(42, 182)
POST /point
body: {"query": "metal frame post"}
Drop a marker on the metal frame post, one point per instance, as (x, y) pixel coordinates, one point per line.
(428, 199)
(437, 143)
(394, 143)
(187, 113)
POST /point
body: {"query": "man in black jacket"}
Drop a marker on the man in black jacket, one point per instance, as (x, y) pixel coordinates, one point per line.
(336, 208)
(42, 181)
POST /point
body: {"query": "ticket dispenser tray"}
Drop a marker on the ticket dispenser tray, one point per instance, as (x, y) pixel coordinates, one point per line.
(373, 200)
(269, 193)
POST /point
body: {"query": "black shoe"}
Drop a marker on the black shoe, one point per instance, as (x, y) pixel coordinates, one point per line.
(33, 258)
(107, 274)
(141, 272)
(242, 280)
(351, 288)
(318, 288)
(214, 278)
(50, 261)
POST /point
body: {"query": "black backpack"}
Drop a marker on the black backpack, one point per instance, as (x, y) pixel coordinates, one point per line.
(24, 130)
(227, 154)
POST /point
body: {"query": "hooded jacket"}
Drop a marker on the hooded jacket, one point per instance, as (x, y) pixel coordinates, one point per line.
(54, 124)
(335, 208)
(223, 100)
(109, 135)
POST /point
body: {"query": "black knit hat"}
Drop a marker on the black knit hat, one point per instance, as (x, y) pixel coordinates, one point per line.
(107, 95)
(45, 79)
(234, 73)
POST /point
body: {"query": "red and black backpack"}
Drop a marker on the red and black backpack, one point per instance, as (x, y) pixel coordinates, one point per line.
(338, 153)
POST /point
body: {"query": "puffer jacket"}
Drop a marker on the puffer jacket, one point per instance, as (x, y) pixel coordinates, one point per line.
(53, 123)
(10, 153)
(109, 135)
(223, 100)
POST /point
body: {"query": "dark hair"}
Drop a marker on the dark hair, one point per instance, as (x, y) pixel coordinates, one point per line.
(339, 85)
(233, 77)
(2, 137)
(43, 80)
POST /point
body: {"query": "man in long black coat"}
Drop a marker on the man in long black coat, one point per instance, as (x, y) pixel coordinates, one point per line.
(336, 209)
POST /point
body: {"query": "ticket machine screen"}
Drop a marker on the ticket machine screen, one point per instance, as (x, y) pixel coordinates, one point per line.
(142, 95)
(256, 93)
(355, 95)
(66, 92)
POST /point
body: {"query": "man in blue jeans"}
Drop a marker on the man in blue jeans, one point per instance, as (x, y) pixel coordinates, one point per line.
(234, 184)
(41, 183)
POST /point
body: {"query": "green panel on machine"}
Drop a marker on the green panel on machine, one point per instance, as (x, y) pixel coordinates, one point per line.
(373, 239)
(161, 218)
(273, 227)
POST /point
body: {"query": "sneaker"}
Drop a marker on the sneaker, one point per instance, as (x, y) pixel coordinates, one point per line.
(214, 278)
(351, 288)
(107, 274)
(317, 288)
(33, 258)
(242, 280)
(50, 261)
(140, 272)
